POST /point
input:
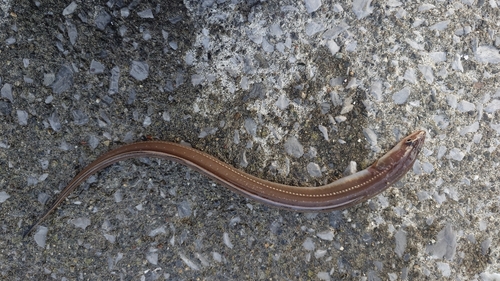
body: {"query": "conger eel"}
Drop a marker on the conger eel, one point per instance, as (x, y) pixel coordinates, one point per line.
(342, 193)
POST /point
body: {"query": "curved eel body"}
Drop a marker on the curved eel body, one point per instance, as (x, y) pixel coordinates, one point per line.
(342, 193)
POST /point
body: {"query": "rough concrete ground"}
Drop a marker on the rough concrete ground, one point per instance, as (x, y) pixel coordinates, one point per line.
(242, 80)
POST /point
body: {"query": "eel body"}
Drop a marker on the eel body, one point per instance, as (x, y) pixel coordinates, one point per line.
(342, 193)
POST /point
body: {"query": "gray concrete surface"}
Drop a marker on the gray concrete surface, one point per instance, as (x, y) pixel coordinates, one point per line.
(239, 80)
